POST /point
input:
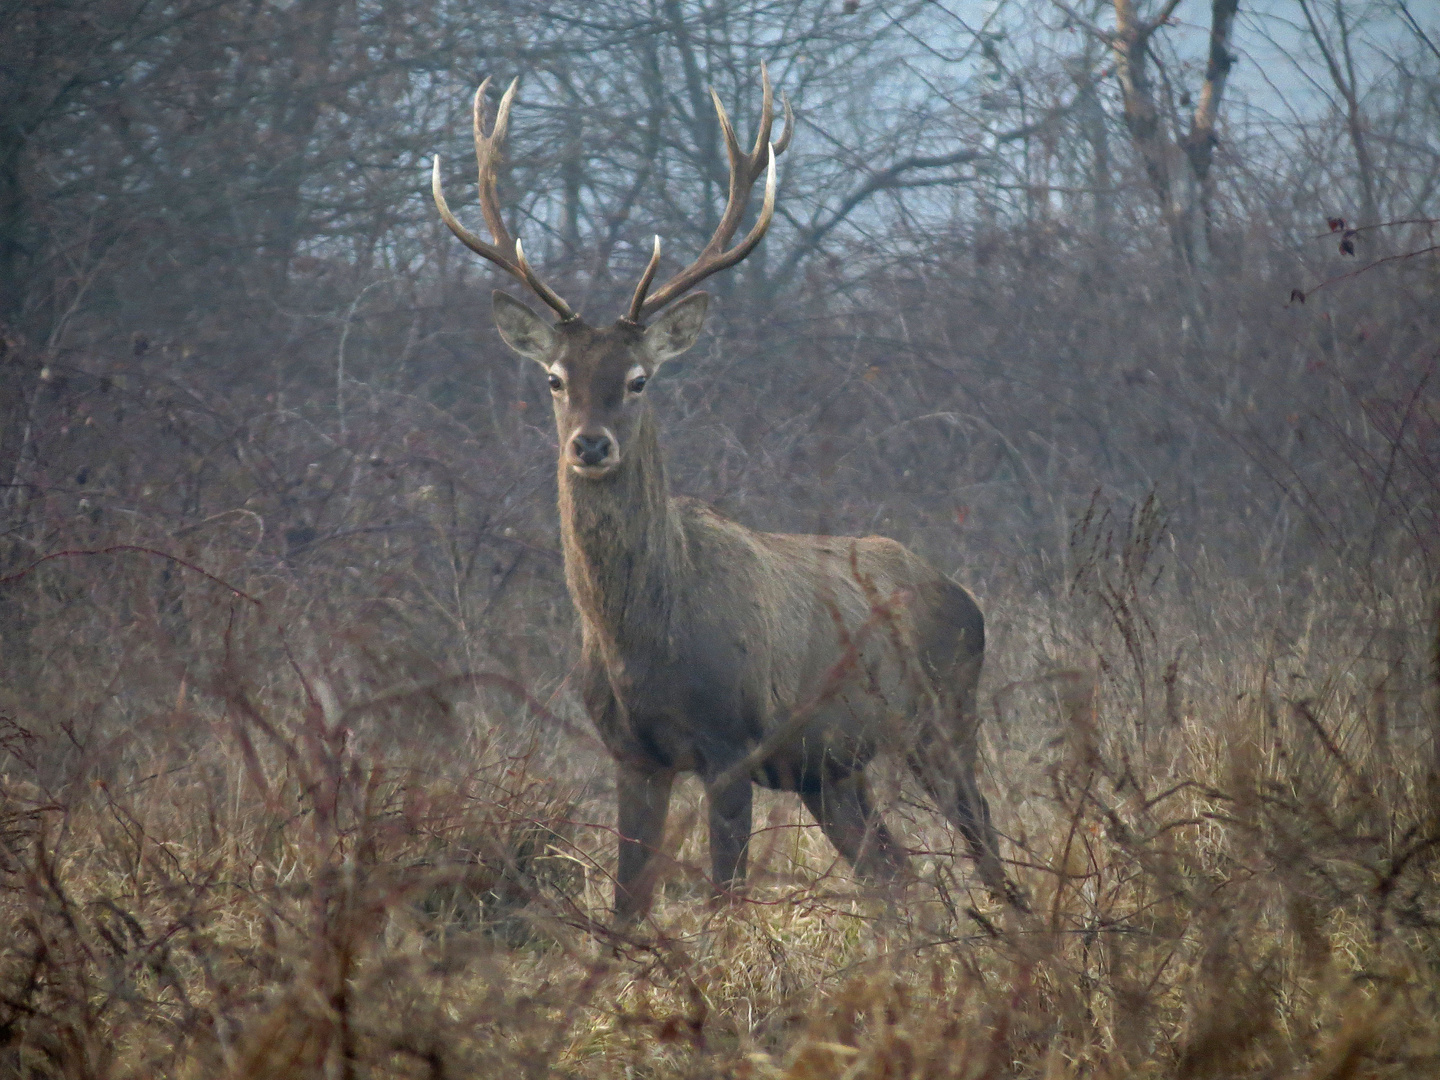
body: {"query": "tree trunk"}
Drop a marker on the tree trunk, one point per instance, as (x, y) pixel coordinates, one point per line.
(1201, 141)
(1131, 45)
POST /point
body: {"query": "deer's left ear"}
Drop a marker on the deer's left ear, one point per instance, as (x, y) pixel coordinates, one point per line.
(676, 330)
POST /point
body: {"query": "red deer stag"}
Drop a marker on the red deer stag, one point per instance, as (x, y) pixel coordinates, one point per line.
(782, 660)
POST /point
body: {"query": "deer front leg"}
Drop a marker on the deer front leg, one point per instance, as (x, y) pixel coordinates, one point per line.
(948, 775)
(841, 804)
(729, 832)
(644, 801)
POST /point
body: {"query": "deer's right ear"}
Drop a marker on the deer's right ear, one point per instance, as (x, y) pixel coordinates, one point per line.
(523, 330)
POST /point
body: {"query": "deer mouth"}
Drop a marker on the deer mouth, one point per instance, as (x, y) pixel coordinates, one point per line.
(595, 472)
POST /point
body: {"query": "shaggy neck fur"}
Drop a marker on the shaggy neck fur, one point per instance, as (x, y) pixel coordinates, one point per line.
(623, 545)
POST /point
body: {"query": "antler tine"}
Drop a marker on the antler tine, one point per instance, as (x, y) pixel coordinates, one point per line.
(745, 169)
(638, 300)
(784, 140)
(469, 239)
(487, 159)
(549, 295)
(742, 178)
(505, 252)
(756, 159)
(767, 115)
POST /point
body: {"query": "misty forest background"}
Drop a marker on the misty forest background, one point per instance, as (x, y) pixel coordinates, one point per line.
(1062, 295)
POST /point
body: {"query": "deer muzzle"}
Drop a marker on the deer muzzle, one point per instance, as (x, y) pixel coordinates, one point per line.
(593, 454)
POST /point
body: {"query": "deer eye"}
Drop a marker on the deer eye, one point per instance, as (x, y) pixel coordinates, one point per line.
(556, 383)
(636, 384)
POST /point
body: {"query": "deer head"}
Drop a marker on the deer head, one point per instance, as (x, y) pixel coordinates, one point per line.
(598, 375)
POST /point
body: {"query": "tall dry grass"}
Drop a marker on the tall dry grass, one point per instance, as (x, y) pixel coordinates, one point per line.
(239, 840)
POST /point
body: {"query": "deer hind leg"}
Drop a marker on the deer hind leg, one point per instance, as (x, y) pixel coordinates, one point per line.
(730, 833)
(841, 804)
(643, 803)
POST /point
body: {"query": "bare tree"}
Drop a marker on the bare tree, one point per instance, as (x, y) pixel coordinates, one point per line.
(1335, 43)
(1174, 134)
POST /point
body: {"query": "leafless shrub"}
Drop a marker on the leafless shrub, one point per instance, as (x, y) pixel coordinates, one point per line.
(257, 875)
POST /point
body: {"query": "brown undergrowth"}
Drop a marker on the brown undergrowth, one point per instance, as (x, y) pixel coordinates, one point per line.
(273, 863)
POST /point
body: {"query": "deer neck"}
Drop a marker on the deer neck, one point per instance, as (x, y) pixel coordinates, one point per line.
(623, 542)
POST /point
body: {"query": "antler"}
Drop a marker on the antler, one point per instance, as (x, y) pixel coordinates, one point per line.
(487, 158)
(745, 169)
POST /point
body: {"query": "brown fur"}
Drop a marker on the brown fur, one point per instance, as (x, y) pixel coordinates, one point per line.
(704, 640)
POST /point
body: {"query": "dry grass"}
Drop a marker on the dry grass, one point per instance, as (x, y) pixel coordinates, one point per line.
(1228, 835)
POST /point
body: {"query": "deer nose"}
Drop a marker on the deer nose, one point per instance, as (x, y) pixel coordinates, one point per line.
(591, 449)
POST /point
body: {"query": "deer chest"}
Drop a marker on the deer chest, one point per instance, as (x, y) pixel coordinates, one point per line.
(686, 712)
